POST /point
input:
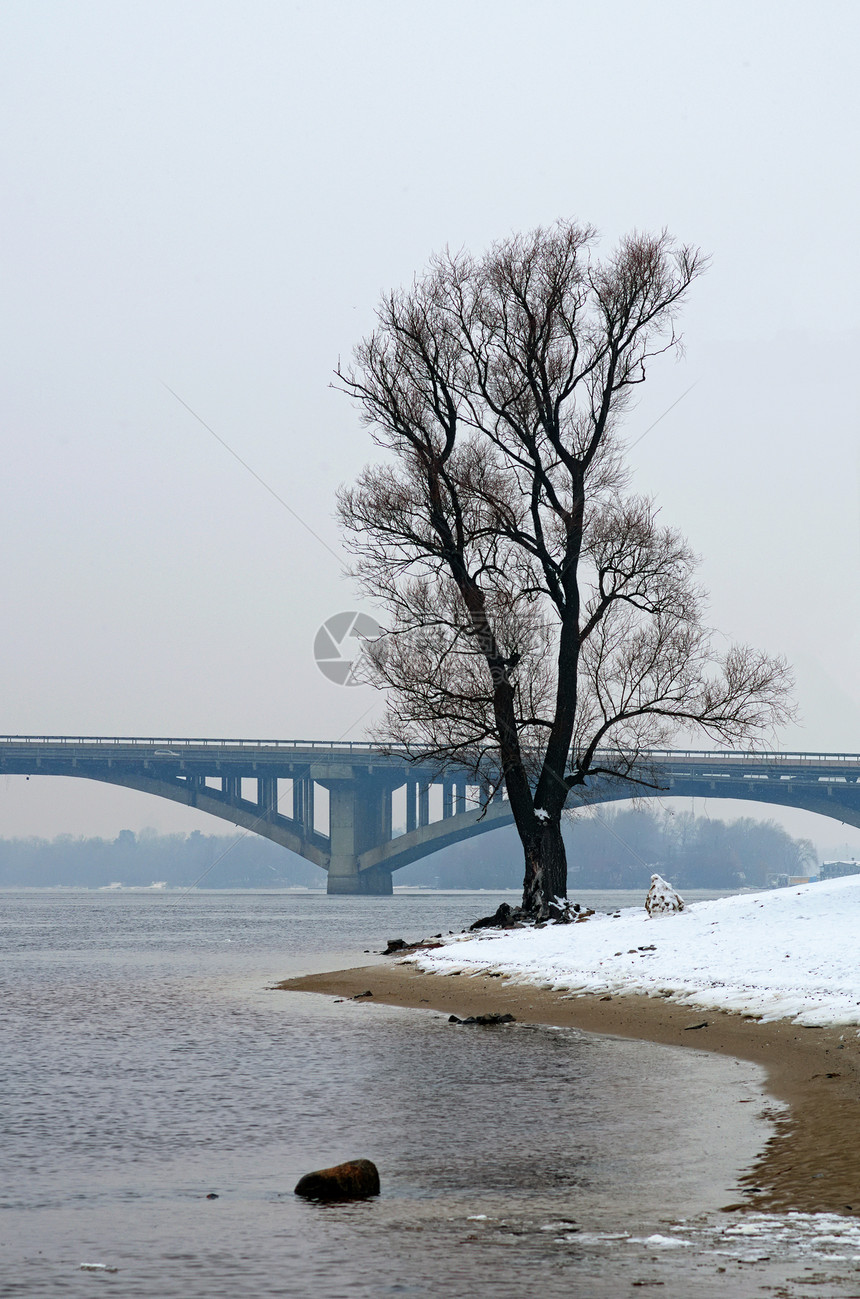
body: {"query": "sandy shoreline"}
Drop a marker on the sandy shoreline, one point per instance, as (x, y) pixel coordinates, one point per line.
(812, 1163)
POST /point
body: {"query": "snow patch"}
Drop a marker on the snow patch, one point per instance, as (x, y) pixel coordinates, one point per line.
(783, 954)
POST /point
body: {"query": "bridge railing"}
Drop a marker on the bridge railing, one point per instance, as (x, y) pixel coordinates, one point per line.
(745, 755)
(365, 746)
(368, 746)
(148, 741)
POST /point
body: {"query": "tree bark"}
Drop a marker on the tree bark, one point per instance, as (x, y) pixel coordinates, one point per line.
(546, 867)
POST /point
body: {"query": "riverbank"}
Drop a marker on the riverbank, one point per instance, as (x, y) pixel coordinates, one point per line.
(810, 1164)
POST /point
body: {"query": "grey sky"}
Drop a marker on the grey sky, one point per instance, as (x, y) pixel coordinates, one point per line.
(211, 197)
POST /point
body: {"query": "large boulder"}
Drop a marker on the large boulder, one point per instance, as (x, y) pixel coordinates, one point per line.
(661, 897)
(355, 1180)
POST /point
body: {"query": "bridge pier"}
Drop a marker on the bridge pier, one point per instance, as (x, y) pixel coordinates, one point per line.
(359, 818)
(376, 882)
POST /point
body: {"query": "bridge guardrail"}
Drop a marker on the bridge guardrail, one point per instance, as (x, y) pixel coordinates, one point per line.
(728, 756)
(185, 742)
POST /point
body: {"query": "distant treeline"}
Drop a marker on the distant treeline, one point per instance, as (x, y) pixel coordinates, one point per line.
(216, 861)
(622, 849)
(606, 849)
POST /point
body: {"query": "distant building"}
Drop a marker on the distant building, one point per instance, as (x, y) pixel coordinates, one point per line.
(833, 870)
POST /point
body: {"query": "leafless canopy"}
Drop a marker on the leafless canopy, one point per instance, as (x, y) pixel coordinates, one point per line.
(539, 616)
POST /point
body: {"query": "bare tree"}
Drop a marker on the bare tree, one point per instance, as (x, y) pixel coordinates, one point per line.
(544, 628)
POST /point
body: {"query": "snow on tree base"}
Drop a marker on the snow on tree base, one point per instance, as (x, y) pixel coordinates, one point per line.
(661, 897)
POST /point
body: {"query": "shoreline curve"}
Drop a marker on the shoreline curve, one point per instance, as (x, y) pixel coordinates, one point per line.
(811, 1163)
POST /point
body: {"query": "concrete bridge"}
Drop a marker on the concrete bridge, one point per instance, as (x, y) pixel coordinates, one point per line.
(337, 804)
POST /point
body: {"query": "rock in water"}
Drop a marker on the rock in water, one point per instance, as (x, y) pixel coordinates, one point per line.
(661, 897)
(495, 1017)
(355, 1180)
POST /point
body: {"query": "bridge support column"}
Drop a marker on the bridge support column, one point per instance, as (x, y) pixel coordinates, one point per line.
(308, 806)
(411, 798)
(360, 818)
(303, 802)
(385, 815)
(267, 795)
(423, 804)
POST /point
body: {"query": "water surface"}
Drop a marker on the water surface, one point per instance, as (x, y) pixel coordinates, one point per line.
(147, 1064)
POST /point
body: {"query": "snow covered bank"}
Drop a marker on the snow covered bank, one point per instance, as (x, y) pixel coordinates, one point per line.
(786, 954)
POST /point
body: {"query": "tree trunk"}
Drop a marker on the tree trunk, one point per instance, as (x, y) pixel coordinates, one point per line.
(546, 868)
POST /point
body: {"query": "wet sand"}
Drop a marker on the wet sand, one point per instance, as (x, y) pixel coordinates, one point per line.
(812, 1162)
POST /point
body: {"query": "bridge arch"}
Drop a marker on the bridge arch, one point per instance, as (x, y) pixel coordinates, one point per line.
(361, 849)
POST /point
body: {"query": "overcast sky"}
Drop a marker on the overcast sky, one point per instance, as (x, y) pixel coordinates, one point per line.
(208, 198)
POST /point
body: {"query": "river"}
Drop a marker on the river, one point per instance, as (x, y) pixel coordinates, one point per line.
(160, 1101)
